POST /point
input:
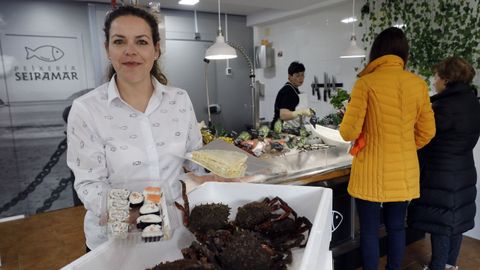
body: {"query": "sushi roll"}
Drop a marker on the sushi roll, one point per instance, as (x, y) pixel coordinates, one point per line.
(117, 204)
(147, 220)
(153, 198)
(152, 194)
(118, 229)
(136, 199)
(150, 208)
(152, 233)
(118, 215)
(152, 190)
(119, 193)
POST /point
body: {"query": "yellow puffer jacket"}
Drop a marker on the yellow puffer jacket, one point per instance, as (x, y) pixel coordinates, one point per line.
(392, 108)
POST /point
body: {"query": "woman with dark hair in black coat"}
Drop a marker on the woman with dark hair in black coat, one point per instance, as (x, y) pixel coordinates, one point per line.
(448, 176)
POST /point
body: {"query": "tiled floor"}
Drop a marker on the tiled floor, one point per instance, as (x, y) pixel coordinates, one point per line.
(52, 240)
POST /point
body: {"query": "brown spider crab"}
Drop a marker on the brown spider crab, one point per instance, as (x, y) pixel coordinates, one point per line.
(260, 237)
(204, 217)
(240, 250)
(275, 220)
(184, 264)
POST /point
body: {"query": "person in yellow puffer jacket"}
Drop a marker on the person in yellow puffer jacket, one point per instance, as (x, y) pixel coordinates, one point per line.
(390, 109)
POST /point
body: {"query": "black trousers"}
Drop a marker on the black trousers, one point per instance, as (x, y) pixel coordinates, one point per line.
(394, 220)
(445, 250)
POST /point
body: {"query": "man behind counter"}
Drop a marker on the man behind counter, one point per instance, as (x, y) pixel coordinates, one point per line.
(290, 104)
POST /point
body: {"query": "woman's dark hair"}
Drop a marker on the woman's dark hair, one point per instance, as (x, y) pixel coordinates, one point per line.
(390, 41)
(295, 67)
(150, 20)
(454, 70)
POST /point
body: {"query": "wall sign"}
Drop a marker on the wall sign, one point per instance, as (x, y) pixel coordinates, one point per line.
(45, 67)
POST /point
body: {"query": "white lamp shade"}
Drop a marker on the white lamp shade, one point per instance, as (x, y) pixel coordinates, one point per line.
(188, 2)
(220, 50)
(353, 51)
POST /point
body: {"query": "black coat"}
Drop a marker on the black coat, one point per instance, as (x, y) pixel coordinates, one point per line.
(447, 169)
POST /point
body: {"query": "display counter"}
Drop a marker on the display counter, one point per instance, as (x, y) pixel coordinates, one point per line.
(304, 168)
(292, 167)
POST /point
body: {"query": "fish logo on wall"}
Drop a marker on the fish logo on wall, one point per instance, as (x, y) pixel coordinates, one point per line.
(337, 220)
(47, 53)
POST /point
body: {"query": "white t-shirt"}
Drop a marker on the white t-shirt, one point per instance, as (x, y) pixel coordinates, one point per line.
(112, 145)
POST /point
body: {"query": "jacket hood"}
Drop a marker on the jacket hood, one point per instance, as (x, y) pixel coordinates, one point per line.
(388, 60)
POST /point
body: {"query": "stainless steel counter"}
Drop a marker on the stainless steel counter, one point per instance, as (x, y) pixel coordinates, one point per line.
(296, 165)
(285, 168)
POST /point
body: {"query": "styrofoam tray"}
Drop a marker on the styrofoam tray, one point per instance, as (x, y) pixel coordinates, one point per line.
(329, 136)
(315, 203)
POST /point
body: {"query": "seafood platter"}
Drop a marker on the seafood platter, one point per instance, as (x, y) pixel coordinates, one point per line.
(233, 226)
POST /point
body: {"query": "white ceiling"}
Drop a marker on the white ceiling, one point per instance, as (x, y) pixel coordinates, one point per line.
(239, 7)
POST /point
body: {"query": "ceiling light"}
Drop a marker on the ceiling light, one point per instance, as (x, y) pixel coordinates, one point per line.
(400, 25)
(353, 51)
(220, 49)
(349, 20)
(188, 2)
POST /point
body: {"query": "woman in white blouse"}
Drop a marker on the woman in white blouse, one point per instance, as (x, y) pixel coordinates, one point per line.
(133, 128)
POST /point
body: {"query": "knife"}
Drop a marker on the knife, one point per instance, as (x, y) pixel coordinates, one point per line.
(313, 118)
(316, 87)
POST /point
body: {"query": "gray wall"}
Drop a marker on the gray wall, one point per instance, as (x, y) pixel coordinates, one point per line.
(231, 92)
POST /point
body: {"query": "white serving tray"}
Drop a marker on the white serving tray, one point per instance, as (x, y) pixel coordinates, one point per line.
(329, 136)
(315, 203)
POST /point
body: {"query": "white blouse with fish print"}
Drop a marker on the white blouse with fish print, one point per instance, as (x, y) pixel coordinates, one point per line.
(111, 145)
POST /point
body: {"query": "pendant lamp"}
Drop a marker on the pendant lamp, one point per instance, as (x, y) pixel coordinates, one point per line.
(353, 51)
(188, 2)
(220, 49)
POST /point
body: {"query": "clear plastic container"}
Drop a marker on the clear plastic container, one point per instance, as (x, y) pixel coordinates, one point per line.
(134, 235)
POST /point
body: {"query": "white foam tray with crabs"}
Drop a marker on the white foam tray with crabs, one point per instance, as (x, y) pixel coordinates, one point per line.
(315, 203)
